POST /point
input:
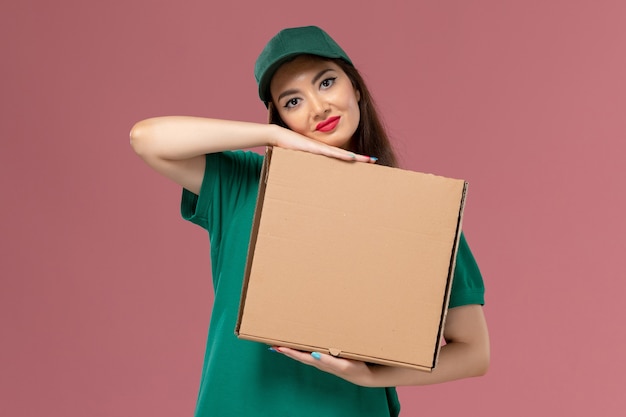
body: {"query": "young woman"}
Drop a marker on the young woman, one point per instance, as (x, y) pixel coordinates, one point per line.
(317, 103)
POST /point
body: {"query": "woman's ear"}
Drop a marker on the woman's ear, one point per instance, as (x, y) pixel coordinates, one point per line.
(358, 95)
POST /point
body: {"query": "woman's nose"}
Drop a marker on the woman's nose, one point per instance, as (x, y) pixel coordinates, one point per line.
(319, 107)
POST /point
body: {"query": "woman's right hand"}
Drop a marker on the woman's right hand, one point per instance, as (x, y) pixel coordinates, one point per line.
(288, 139)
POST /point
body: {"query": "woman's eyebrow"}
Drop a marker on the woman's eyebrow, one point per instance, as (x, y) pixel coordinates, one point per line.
(286, 93)
(320, 74)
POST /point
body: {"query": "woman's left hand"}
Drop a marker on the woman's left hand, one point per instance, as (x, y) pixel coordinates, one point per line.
(357, 372)
(466, 354)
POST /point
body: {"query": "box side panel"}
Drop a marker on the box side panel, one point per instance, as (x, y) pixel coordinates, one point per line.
(446, 300)
(345, 355)
(254, 233)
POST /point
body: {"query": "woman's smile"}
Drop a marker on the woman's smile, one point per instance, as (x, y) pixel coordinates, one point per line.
(328, 124)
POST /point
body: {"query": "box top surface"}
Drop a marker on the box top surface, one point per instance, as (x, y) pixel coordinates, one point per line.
(351, 258)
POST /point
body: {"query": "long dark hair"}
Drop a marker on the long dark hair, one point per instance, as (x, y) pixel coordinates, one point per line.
(370, 137)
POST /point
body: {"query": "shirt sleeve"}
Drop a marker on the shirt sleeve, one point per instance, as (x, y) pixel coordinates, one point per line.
(467, 283)
(195, 207)
(226, 176)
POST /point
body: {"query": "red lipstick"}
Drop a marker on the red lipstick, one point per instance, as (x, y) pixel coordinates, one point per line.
(328, 124)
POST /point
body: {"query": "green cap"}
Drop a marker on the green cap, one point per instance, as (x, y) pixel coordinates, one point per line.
(286, 45)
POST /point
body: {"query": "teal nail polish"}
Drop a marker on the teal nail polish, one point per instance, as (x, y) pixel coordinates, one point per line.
(271, 349)
(373, 158)
(316, 356)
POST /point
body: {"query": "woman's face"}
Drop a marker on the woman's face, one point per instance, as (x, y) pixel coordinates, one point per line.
(315, 98)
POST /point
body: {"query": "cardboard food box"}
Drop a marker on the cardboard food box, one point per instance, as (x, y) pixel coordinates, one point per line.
(351, 259)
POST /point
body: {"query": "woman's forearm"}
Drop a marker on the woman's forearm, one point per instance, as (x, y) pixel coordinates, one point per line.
(456, 361)
(465, 355)
(175, 146)
(185, 137)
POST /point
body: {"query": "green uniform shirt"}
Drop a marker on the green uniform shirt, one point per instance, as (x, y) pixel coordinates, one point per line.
(243, 378)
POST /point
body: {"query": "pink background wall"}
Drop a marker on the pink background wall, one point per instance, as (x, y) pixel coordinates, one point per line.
(105, 292)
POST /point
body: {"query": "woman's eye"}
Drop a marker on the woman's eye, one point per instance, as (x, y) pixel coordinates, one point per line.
(328, 82)
(291, 103)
